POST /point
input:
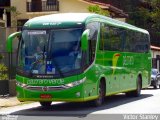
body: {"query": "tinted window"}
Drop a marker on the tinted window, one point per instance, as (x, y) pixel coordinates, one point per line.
(136, 42)
(120, 39)
(129, 41)
(111, 38)
(141, 43)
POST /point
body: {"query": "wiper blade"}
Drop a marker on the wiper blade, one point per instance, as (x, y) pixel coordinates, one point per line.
(44, 53)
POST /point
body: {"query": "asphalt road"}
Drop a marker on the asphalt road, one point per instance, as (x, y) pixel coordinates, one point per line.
(147, 103)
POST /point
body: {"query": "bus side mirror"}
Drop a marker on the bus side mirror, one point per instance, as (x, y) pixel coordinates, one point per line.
(10, 40)
(84, 40)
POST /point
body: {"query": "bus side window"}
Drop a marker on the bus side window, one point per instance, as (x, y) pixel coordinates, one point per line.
(146, 43)
(129, 42)
(104, 37)
(93, 27)
(141, 42)
(111, 38)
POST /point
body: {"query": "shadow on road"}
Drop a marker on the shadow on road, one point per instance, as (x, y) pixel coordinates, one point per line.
(79, 109)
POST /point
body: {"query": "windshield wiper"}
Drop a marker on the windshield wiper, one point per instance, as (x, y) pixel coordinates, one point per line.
(44, 53)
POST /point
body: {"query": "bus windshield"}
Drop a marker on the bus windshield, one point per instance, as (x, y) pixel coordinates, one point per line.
(50, 51)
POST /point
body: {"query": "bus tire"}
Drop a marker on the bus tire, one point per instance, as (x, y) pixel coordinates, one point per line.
(101, 94)
(137, 92)
(45, 104)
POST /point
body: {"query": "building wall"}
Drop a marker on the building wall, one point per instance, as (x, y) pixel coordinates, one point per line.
(2, 23)
(155, 53)
(64, 6)
(155, 59)
(73, 6)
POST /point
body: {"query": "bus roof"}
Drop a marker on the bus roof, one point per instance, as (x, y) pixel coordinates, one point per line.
(75, 19)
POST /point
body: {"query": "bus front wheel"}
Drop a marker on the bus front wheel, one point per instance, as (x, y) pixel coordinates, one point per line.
(101, 94)
(45, 104)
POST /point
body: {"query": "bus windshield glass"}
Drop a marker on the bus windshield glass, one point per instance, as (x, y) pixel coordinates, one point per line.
(50, 51)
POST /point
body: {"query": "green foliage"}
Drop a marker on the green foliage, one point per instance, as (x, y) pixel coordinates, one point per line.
(3, 74)
(148, 15)
(3, 70)
(142, 18)
(96, 9)
(155, 14)
(1, 56)
(14, 14)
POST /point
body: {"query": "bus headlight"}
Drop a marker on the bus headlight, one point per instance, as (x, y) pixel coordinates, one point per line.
(75, 83)
(21, 84)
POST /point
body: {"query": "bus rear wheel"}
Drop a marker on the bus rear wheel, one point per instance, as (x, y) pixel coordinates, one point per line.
(137, 92)
(45, 104)
(101, 94)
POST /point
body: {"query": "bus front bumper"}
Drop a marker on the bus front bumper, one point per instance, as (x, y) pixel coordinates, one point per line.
(50, 93)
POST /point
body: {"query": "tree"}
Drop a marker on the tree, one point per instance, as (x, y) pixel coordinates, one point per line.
(147, 16)
(98, 10)
(3, 70)
(155, 14)
(14, 15)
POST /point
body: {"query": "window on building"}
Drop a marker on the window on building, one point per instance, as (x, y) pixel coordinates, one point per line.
(51, 2)
(4, 3)
(42, 5)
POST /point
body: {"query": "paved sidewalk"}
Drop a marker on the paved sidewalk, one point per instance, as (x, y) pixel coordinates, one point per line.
(6, 101)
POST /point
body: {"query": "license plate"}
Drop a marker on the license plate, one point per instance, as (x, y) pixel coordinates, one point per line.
(45, 96)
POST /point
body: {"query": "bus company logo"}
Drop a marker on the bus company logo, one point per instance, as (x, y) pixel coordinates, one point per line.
(128, 60)
(45, 81)
(45, 88)
(114, 61)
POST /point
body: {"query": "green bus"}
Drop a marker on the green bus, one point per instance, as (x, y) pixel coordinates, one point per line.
(79, 57)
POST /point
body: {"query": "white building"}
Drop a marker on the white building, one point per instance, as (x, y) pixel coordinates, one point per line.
(155, 57)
